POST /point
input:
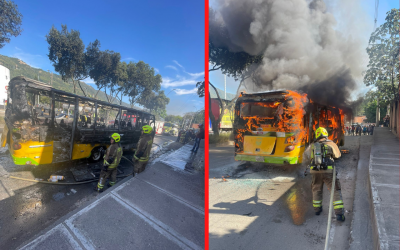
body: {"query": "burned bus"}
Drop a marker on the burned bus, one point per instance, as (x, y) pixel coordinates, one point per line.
(45, 125)
(275, 127)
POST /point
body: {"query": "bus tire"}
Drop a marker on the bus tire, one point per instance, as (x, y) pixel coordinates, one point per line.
(96, 154)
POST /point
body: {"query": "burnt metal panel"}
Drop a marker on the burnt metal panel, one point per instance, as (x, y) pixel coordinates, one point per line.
(74, 125)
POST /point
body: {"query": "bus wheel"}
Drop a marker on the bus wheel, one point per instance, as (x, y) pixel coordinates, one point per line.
(96, 154)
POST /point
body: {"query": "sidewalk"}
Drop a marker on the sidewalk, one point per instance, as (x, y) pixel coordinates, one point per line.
(161, 208)
(384, 180)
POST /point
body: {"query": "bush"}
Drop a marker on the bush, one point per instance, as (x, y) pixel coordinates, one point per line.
(222, 138)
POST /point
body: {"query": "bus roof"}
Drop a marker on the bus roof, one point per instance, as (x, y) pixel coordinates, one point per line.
(39, 85)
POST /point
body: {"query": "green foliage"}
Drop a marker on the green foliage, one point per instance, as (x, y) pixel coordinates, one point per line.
(370, 112)
(156, 102)
(383, 63)
(200, 88)
(140, 83)
(199, 117)
(234, 64)
(10, 21)
(67, 52)
(174, 119)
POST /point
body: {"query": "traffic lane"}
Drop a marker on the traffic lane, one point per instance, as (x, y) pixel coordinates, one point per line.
(28, 207)
(160, 139)
(259, 205)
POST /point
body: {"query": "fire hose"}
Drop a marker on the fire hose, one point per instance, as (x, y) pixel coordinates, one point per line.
(75, 183)
(328, 229)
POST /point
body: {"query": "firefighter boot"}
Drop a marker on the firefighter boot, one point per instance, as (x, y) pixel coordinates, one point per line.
(340, 217)
(97, 189)
(318, 212)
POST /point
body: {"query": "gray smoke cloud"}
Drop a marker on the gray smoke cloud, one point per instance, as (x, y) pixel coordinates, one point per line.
(302, 49)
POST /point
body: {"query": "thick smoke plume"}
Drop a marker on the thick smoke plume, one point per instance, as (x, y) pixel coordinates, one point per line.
(299, 43)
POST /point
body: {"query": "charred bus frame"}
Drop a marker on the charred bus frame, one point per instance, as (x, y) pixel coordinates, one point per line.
(74, 139)
(313, 115)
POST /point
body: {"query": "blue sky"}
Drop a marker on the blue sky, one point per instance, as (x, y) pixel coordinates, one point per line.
(368, 11)
(168, 35)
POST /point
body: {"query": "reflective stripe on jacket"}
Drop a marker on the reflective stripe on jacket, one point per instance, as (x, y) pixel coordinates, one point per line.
(114, 151)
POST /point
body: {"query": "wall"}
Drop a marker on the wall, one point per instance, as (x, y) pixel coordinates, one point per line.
(4, 80)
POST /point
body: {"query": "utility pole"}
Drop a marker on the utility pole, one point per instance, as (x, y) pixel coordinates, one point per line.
(225, 86)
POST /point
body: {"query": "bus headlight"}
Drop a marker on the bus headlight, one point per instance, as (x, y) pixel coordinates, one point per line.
(16, 146)
(289, 148)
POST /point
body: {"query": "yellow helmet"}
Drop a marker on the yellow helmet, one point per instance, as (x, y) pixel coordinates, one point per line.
(320, 133)
(147, 129)
(116, 137)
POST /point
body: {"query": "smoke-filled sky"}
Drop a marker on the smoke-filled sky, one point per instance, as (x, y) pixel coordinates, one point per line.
(315, 46)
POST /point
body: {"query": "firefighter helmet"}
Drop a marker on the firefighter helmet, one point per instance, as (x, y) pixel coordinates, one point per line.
(147, 129)
(321, 133)
(116, 137)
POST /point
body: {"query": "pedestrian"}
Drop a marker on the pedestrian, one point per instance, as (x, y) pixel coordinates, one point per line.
(142, 153)
(372, 129)
(365, 130)
(111, 162)
(323, 153)
(199, 136)
(352, 130)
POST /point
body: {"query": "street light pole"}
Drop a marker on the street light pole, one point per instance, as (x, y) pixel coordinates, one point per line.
(170, 92)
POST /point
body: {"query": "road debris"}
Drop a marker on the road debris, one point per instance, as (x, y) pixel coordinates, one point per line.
(344, 151)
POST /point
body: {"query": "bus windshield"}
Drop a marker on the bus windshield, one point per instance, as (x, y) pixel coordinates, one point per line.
(260, 109)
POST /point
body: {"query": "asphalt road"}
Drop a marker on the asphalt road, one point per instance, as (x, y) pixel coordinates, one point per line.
(259, 206)
(27, 208)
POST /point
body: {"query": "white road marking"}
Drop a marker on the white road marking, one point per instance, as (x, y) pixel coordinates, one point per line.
(69, 223)
(62, 229)
(177, 198)
(387, 185)
(389, 165)
(156, 224)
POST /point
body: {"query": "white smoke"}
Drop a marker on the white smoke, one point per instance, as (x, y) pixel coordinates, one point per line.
(302, 48)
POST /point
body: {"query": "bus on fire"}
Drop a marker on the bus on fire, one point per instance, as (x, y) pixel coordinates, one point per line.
(45, 125)
(275, 127)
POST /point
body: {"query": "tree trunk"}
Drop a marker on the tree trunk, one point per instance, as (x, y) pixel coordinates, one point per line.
(97, 92)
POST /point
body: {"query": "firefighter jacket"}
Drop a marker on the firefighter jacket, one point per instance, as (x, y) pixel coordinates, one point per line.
(113, 156)
(143, 149)
(331, 152)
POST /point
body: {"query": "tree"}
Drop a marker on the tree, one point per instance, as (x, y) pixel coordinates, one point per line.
(239, 65)
(174, 119)
(10, 21)
(67, 52)
(140, 80)
(156, 102)
(383, 65)
(106, 70)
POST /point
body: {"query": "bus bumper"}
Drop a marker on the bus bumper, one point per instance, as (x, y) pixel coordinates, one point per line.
(24, 161)
(267, 159)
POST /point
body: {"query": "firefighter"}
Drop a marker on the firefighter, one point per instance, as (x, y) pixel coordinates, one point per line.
(323, 153)
(111, 161)
(142, 153)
